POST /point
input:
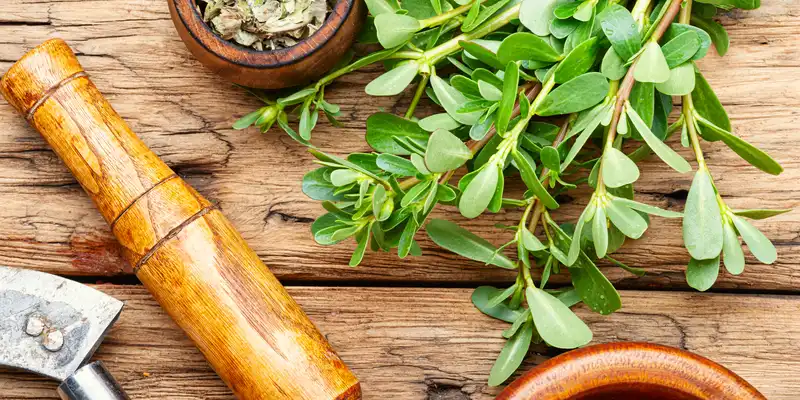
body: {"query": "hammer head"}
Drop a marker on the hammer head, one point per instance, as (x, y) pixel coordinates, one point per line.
(50, 325)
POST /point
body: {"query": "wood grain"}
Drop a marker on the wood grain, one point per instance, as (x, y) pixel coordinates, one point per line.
(184, 113)
(412, 343)
(182, 249)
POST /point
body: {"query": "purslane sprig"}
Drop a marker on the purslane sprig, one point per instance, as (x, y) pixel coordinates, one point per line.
(542, 91)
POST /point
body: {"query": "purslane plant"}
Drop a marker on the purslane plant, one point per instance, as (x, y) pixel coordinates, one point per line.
(503, 71)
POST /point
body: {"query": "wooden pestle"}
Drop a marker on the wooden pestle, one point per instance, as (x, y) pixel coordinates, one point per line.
(181, 247)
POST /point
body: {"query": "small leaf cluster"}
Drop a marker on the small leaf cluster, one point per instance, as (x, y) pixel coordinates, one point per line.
(557, 94)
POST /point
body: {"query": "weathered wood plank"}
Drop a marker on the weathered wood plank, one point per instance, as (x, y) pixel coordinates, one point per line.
(432, 344)
(184, 113)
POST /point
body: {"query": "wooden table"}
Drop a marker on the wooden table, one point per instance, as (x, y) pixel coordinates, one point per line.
(406, 328)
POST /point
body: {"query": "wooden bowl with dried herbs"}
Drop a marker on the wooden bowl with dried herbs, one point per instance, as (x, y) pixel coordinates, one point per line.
(268, 44)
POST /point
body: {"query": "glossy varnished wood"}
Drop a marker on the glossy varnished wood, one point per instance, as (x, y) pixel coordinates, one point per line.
(629, 371)
(273, 69)
(185, 252)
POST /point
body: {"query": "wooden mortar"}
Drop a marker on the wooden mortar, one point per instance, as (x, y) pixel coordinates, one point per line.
(181, 247)
(629, 371)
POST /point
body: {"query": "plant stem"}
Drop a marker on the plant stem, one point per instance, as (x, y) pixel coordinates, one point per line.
(446, 16)
(626, 86)
(537, 212)
(441, 51)
(687, 104)
(423, 83)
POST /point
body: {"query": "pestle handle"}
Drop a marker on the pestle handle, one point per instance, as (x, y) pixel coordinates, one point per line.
(181, 247)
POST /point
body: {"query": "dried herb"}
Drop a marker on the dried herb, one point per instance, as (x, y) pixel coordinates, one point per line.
(607, 71)
(264, 24)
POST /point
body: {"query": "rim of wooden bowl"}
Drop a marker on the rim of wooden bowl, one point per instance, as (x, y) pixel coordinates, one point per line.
(191, 19)
(599, 368)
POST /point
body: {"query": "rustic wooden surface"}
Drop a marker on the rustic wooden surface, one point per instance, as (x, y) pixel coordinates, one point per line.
(401, 341)
(415, 343)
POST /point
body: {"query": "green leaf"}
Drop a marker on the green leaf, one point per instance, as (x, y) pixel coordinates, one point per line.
(758, 244)
(760, 213)
(575, 247)
(465, 85)
(576, 95)
(620, 28)
(407, 238)
(651, 65)
(393, 81)
(681, 49)
(438, 121)
(676, 29)
(248, 119)
(663, 151)
(451, 99)
(628, 221)
(395, 29)
(587, 124)
(296, 97)
(701, 274)
(483, 15)
(317, 187)
(613, 67)
(681, 81)
(561, 28)
(702, 222)
(509, 96)
(618, 169)
(378, 7)
(501, 296)
(536, 15)
(567, 9)
(512, 355)
(480, 298)
(642, 99)
(747, 151)
(732, 254)
(479, 191)
(578, 61)
(489, 91)
(526, 46)
(645, 208)
(344, 177)
(450, 236)
(555, 322)
(527, 170)
(361, 249)
(420, 9)
(530, 241)
(396, 165)
(716, 31)
(445, 152)
(383, 127)
(707, 104)
(481, 53)
(600, 232)
(595, 289)
(550, 158)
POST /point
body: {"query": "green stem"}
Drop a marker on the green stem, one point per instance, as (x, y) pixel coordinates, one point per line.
(441, 51)
(446, 16)
(423, 83)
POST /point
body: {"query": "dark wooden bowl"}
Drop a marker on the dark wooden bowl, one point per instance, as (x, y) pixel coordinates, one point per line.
(635, 371)
(276, 69)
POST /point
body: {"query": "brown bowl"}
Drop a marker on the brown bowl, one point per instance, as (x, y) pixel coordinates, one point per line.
(274, 69)
(622, 371)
